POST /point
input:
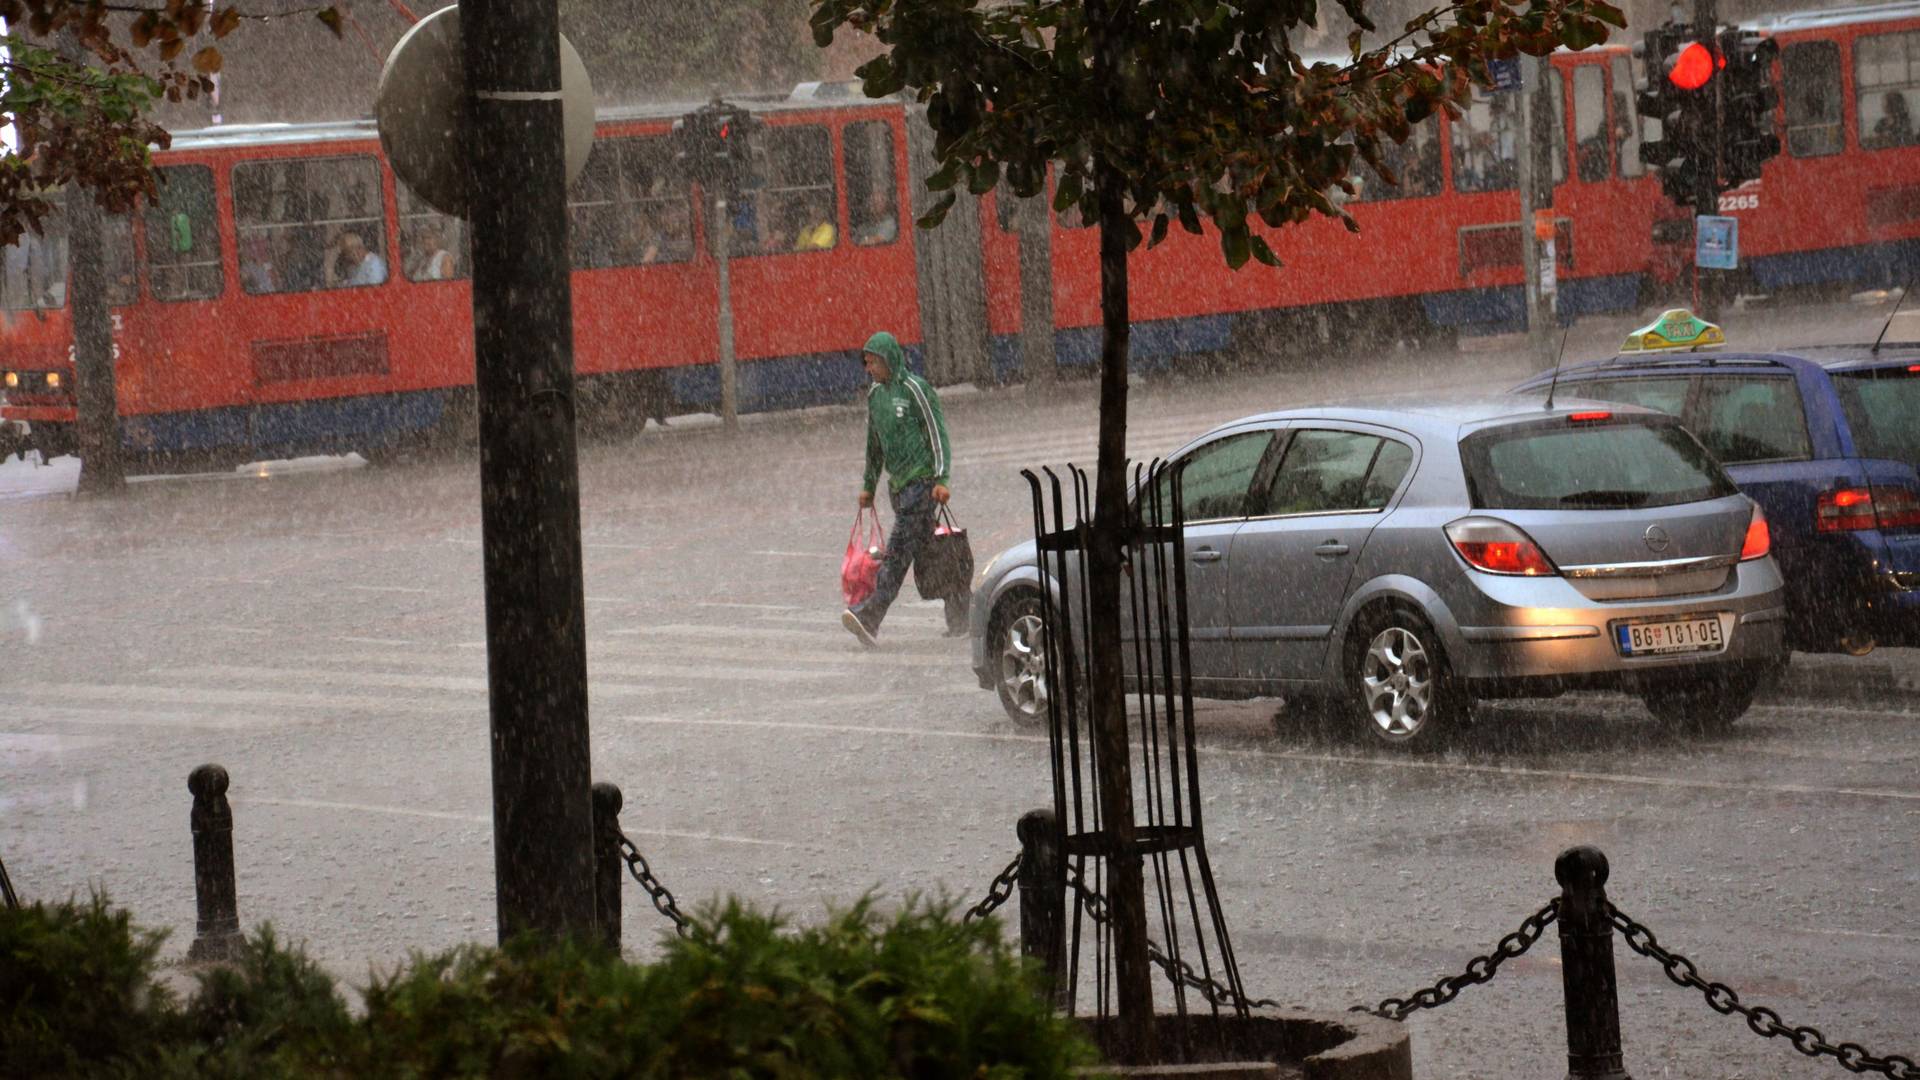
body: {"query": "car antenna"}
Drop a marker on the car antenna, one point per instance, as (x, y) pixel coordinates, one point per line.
(1896, 310)
(1555, 381)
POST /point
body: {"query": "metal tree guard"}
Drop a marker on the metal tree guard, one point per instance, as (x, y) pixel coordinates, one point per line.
(1193, 948)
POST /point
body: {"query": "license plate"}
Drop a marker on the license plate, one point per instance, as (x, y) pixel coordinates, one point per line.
(1705, 634)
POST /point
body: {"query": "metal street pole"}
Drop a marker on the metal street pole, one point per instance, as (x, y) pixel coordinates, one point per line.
(729, 368)
(529, 475)
(1536, 194)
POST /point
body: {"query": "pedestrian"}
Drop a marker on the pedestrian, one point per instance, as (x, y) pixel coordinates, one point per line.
(907, 438)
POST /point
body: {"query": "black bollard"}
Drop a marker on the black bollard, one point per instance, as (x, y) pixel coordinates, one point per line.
(1586, 958)
(218, 935)
(1043, 898)
(607, 862)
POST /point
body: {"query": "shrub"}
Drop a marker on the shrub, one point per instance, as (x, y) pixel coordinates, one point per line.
(77, 992)
(914, 994)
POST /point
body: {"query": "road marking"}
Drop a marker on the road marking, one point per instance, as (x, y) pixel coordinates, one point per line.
(759, 607)
(620, 547)
(609, 600)
(112, 716)
(1623, 779)
(389, 588)
(487, 819)
(459, 540)
(477, 684)
(150, 694)
(377, 641)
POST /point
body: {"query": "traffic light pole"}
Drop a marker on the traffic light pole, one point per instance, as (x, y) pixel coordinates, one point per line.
(1706, 193)
(729, 369)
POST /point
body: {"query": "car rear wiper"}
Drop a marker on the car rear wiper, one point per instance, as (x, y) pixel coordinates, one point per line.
(1605, 497)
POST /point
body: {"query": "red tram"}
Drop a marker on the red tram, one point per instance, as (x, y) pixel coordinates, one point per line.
(285, 294)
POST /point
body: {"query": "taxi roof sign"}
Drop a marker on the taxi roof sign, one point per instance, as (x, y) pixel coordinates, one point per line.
(1676, 329)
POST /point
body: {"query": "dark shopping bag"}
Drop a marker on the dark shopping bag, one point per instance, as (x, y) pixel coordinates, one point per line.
(860, 569)
(944, 566)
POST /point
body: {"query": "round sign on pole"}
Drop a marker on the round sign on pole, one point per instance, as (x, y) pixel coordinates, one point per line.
(421, 111)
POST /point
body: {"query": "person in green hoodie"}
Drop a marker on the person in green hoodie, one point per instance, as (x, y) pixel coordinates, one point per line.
(907, 439)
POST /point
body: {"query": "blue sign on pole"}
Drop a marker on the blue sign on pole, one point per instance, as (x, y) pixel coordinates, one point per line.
(1716, 242)
(1506, 74)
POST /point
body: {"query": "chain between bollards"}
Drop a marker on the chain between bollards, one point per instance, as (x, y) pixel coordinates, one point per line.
(217, 936)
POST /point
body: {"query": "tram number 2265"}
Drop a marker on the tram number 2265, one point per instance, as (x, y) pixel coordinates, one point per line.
(1734, 201)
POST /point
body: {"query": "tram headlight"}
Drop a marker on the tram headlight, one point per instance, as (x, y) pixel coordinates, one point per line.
(13, 379)
(53, 380)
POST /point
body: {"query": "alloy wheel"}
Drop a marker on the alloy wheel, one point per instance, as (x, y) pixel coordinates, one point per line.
(1396, 683)
(1023, 665)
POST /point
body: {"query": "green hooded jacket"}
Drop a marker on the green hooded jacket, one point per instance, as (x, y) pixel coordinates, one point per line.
(906, 432)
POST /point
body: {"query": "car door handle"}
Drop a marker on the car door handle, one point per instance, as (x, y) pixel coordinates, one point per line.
(1332, 549)
(1206, 555)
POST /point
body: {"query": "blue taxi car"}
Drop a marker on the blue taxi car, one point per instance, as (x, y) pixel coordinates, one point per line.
(1825, 439)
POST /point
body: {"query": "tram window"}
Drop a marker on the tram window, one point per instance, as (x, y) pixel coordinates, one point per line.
(626, 209)
(1590, 123)
(1887, 79)
(183, 236)
(1626, 133)
(310, 223)
(433, 246)
(794, 209)
(1487, 136)
(117, 241)
(33, 270)
(873, 203)
(1415, 163)
(1810, 75)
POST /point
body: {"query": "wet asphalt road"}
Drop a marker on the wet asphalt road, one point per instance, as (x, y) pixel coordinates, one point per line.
(320, 633)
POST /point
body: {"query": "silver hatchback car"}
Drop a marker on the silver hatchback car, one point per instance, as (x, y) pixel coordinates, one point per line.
(1396, 562)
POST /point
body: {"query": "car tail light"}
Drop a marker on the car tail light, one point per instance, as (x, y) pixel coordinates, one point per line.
(1856, 508)
(1498, 548)
(1896, 507)
(1589, 417)
(1759, 539)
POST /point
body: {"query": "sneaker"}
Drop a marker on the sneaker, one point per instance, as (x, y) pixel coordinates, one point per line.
(857, 627)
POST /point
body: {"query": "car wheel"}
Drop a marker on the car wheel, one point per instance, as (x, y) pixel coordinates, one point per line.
(1398, 681)
(1707, 707)
(1018, 653)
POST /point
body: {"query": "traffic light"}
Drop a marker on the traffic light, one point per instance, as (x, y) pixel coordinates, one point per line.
(1747, 100)
(713, 146)
(1679, 93)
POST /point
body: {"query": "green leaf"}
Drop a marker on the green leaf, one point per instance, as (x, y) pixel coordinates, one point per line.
(1236, 245)
(1264, 253)
(984, 177)
(937, 213)
(1160, 223)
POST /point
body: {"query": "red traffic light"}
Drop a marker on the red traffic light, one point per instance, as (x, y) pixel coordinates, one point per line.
(1692, 67)
(725, 130)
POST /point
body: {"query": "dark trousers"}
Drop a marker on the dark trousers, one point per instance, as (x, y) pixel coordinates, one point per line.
(913, 513)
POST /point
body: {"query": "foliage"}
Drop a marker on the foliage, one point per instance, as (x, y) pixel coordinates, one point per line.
(77, 81)
(77, 991)
(912, 994)
(271, 1012)
(1206, 107)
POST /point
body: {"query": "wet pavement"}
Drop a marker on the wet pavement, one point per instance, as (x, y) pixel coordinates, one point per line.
(318, 630)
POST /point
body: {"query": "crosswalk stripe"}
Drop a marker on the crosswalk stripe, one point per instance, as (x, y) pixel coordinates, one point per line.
(477, 684)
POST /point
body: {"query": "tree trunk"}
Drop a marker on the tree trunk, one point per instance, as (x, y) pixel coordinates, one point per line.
(98, 419)
(97, 412)
(1107, 699)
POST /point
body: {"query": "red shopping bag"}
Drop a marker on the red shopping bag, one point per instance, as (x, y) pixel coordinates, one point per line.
(860, 569)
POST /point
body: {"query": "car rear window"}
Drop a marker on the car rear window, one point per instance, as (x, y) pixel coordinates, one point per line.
(1883, 411)
(1561, 464)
